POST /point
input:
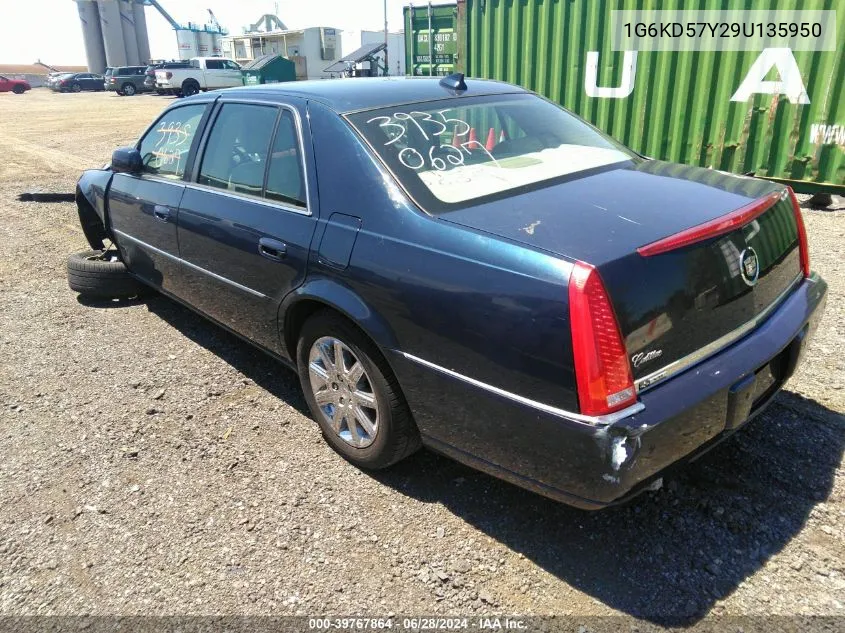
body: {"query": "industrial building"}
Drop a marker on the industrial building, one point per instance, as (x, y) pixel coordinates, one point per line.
(311, 49)
(115, 33)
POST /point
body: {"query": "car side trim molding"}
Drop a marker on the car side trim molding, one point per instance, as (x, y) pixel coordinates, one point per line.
(593, 420)
(199, 269)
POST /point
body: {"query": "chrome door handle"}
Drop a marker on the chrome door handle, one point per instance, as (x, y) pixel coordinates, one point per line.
(161, 213)
(272, 249)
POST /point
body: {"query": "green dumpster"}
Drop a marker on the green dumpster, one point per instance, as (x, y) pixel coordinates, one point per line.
(269, 69)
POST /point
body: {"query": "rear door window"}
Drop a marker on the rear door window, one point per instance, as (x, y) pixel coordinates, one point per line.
(164, 149)
(285, 181)
(451, 153)
(213, 64)
(236, 153)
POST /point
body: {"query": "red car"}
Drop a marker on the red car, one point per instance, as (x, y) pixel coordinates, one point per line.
(18, 86)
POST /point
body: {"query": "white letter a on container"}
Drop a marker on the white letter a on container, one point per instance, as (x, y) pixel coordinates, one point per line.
(790, 83)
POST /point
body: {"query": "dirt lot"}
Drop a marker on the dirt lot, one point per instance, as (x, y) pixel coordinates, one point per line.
(152, 463)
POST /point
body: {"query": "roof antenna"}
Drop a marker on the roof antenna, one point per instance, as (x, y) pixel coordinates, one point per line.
(455, 81)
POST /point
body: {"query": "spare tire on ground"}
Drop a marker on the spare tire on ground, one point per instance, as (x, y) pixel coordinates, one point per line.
(821, 200)
(101, 275)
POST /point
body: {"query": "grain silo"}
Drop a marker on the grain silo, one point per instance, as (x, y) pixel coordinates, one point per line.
(204, 43)
(141, 35)
(114, 32)
(110, 23)
(186, 40)
(92, 34)
(127, 25)
(217, 44)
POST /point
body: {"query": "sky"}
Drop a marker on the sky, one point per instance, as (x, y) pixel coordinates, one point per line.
(49, 30)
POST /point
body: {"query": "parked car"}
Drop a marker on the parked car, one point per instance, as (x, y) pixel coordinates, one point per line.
(77, 82)
(54, 78)
(204, 73)
(126, 80)
(17, 86)
(150, 73)
(466, 266)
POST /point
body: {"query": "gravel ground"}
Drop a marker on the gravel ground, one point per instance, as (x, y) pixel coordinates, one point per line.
(153, 463)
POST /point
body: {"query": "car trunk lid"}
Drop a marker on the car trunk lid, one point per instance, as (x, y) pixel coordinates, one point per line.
(677, 306)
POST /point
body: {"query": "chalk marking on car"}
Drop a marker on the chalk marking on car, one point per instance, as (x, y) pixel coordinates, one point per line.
(530, 228)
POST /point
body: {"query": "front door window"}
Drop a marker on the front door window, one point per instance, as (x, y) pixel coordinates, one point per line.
(164, 150)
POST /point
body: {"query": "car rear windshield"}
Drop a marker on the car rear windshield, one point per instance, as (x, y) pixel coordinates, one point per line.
(457, 152)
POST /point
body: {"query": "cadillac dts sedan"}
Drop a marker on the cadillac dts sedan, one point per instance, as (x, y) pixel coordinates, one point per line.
(462, 265)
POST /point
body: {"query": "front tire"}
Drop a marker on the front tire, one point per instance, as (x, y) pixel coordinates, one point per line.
(101, 275)
(353, 394)
(18, 90)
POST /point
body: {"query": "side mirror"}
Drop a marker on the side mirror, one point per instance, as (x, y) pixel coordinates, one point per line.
(126, 160)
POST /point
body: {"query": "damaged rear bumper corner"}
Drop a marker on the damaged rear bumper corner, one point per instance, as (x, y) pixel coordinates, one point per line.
(593, 466)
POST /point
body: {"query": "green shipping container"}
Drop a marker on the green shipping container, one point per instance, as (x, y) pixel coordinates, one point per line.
(685, 107)
(419, 31)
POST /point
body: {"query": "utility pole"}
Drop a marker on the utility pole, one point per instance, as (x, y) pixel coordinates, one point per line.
(386, 66)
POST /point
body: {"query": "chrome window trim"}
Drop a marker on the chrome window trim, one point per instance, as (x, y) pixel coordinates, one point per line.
(143, 176)
(676, 367)
(592, 420)
(299, 133)
(247, 198)
(190, 265)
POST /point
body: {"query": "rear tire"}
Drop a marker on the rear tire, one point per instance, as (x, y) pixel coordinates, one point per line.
(101, 275)
(190, 88)
(129, 89)
(395, 435)
(76, 88)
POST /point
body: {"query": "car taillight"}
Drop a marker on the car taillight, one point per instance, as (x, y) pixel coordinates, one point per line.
(713, 228)
(63, 82)
(803, 247)
(169, 75)
(602, 370)
(113, 80)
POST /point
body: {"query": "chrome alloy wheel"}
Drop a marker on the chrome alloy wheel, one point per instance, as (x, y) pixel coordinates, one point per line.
(343, 391)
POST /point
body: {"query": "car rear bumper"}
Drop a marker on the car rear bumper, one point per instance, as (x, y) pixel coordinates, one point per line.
(595, 465)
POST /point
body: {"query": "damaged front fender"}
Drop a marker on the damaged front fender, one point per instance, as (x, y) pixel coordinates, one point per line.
(91, 191)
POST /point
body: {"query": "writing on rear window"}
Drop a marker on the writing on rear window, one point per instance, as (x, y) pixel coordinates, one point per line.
(482, 146)
(439, 155)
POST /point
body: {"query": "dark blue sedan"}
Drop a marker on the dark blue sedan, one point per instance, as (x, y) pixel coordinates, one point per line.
(463, 265)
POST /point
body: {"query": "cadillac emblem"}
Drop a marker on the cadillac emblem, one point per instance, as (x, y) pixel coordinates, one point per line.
(749, 266)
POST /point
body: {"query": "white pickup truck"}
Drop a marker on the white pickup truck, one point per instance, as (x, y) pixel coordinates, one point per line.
(205, 73)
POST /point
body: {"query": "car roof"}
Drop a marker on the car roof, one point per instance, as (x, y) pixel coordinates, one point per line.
(350, 95)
